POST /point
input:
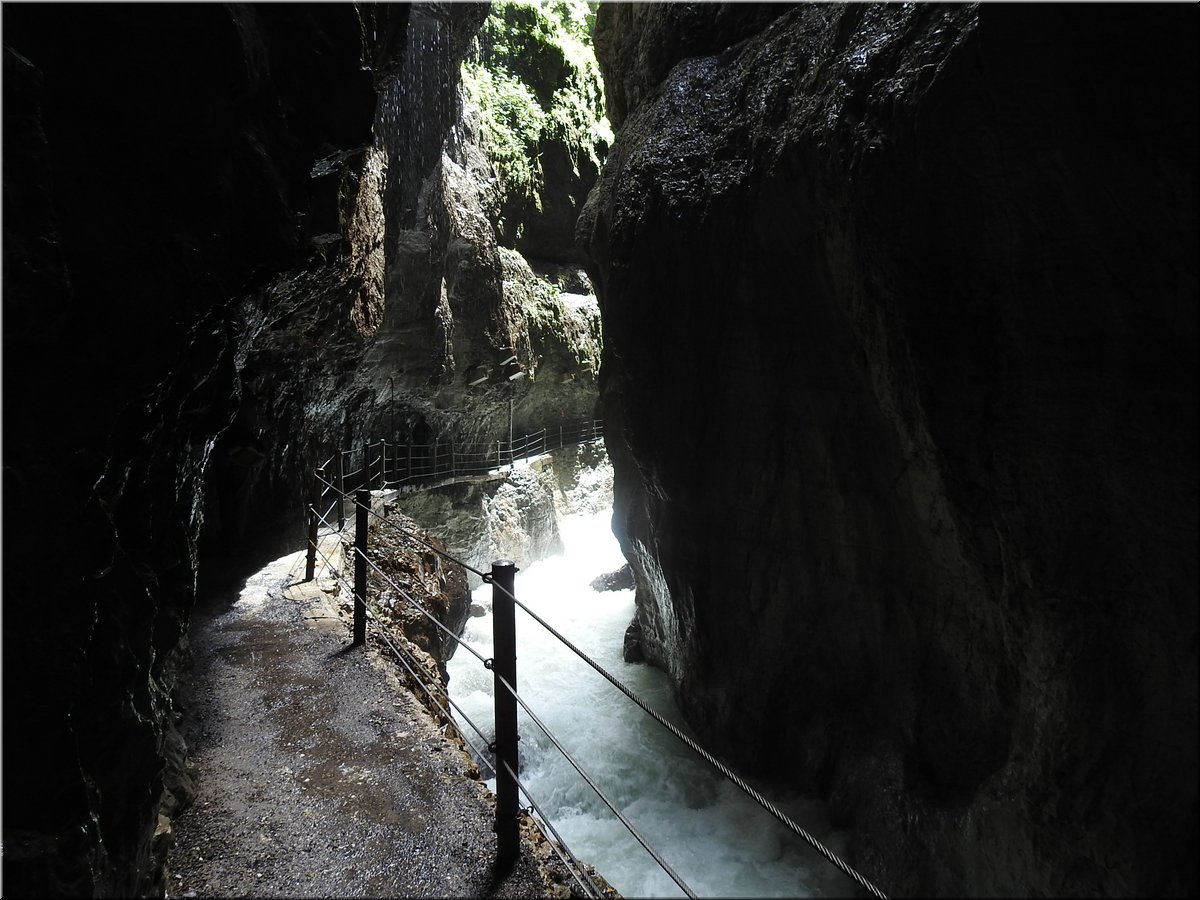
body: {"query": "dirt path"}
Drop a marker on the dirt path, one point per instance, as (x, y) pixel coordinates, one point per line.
(317, 774)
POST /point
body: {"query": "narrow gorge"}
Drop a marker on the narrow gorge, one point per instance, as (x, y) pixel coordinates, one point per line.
(889, 311)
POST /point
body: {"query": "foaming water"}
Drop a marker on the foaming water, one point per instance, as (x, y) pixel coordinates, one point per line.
(718, 840)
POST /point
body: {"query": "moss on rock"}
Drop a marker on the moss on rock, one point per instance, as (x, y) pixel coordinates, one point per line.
(535, 83)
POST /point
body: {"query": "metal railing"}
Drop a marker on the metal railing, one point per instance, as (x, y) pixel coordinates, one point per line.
(503, 749)
(382, 464)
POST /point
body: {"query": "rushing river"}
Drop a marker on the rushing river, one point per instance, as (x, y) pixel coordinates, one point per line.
(718, 840)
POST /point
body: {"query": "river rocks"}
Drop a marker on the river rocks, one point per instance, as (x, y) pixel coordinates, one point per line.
(583, 479)
(631, 643)
(412, 576)
(619, 580)
(515, 516)
(899, 388)
(521, 524)
(509, 518)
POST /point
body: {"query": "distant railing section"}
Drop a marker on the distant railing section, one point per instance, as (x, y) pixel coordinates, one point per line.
(380, 464)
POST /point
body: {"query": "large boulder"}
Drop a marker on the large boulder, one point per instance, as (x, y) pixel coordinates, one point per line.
(899, 383)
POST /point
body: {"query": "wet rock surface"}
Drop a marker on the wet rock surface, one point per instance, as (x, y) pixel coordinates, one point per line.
(899, 384)
(507, 518)
(514, 516)
(317, 773)
(619, 580)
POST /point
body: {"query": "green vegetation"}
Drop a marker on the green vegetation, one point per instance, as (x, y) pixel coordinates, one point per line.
(512, 122)
(564, 339)
(570, 340)
(534, 78)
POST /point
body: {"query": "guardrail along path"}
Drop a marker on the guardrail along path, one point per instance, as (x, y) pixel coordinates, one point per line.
(316, 773)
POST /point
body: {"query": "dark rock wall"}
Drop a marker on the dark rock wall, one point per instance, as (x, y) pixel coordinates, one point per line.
(899, 384)
(637, 44)
(175, 341)
(232, 234)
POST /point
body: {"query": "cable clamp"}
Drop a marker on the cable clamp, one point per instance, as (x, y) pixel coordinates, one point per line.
(487, 578)
(489, 664)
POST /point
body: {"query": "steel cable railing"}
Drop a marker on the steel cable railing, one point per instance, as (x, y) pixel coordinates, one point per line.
(558, 744)
(691, 744)
(724, 770)
(629, 826)
(413, 601)
(371, 615)
(333, 569)
(591, 888)
(440, 460)
(572, 864)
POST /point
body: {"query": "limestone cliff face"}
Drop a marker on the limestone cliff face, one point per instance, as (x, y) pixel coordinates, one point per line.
(516, 517)
(455, 305)
(899, 382)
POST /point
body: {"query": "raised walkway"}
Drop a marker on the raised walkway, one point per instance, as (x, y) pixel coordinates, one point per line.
(317, 774)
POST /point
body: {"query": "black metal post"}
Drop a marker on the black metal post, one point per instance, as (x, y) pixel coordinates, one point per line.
(504, 634)
(310, 563)
(366, 466)
(362, 499)
(341, 488)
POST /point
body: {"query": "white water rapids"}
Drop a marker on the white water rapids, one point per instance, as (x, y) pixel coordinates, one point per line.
(720, 842)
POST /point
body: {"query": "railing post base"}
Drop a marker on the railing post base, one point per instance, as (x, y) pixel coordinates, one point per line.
(362, 503)
(341, 491)
(505, 666)
(310, 562)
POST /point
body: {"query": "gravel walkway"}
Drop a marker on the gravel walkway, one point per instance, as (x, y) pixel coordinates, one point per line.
(317, 773)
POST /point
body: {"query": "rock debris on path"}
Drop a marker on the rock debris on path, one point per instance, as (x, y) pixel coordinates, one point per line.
(316, 773)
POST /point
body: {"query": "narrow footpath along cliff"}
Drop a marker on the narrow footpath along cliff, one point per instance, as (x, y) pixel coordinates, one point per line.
(899, 382)
(316, 772)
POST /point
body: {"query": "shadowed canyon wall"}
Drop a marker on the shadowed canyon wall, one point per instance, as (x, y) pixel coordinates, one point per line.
(899, 379)
(156, 182)
(198, 284)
